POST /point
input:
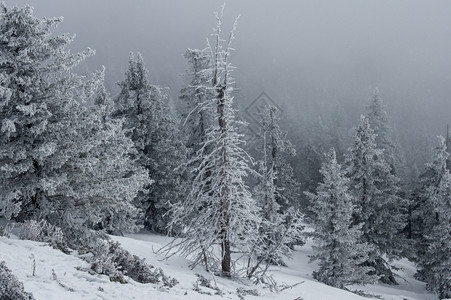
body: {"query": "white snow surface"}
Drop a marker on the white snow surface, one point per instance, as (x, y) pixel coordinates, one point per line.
(75, 284)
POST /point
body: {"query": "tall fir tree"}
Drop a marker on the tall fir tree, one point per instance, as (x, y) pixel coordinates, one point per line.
(154, 130)
(435, 263)
(275, 193)
(85, 186)
(339, 246)
(378, 206)
(277, 148)
(28, 81)
(425, 213)
(219, 209)
(380, 123)
(117, 175)
(48, 159)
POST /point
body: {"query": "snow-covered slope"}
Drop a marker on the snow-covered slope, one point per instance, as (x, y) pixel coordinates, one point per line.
(56, 276)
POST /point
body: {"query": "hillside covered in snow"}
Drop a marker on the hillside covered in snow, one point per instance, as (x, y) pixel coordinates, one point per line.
(61, 276)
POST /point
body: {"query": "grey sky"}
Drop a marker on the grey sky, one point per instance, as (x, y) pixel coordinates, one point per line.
(309, 55)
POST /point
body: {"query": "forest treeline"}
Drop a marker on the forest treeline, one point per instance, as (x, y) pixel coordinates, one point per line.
(86, 161)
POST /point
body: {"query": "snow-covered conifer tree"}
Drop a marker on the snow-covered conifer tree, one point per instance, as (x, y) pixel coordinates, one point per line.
(278, 147)
(49, 140)
(26, 82)
(36, 83)
(115, 177)
(339, 247)
(276, 192)
(434, 263)
(89, 179)
(194, 97)
(155, 133)
(219, 209)
(380, 123)
(425, 210)
(375, 192)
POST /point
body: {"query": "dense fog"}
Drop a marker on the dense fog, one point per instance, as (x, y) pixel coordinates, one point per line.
(312, 57)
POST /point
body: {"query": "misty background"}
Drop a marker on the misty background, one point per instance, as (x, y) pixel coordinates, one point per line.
(316, 59)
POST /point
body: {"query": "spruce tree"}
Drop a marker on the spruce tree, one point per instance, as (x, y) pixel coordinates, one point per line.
(423, 208)
(115, 175)
(378, 206)
(159, 148)
(426, 211)
(50, 140)
(28, 80)
(339, 246)
(435, 263)
(278, 149)
(93, 181)
(379, 122)
(276, 192)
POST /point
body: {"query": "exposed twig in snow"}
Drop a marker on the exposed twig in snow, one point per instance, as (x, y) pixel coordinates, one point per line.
(286, 286)
(34, 265)
(61, 284)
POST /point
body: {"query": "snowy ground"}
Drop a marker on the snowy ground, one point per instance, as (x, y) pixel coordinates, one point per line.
(71, 283)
